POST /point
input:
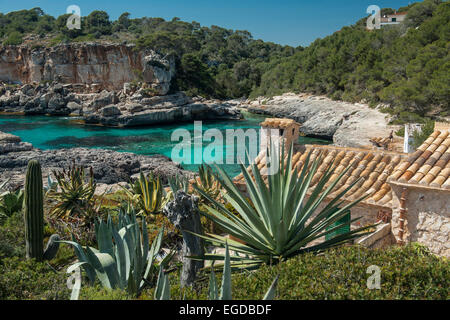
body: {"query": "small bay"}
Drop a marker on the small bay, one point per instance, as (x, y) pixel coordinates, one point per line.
(62, 132)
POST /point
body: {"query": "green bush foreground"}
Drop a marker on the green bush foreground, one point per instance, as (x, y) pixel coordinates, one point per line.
(406, 273)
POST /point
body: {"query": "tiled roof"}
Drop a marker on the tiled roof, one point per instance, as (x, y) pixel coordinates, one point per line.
(398, 14)
(279, 123)
(429, 166)
(381, 142)
(374, 167)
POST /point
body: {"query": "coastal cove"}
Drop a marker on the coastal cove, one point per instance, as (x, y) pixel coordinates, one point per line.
(49, 133)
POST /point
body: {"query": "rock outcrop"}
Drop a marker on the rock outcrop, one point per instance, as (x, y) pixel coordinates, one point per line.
(10, 143)
(129, 107)
(109, 167)
(108, 66)
(347, 124)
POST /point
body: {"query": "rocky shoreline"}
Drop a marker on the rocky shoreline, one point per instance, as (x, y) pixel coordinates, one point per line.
(110, 167)
(347, 124)
(129, 107)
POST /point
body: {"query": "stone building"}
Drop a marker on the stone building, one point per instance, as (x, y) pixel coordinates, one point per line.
(381, 177)
(421, 195)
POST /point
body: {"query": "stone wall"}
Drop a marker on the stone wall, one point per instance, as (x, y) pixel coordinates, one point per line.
(427, 218)
(367, 214)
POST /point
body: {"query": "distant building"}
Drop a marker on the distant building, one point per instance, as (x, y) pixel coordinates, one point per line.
(393, 19)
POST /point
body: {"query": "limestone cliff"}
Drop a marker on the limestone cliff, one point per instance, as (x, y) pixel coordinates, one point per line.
(108, 66)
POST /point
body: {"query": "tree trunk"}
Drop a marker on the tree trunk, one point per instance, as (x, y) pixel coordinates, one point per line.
(183, 213)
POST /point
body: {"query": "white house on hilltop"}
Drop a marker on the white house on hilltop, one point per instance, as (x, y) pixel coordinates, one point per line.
(393, 19)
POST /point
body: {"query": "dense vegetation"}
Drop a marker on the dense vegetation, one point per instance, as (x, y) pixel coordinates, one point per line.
(406, 66)
(406, 273)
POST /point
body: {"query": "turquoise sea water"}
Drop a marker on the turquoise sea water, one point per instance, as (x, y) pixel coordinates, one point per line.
(60, 132)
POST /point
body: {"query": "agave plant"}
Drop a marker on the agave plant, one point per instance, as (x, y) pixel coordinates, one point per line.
(281, 221)
(162, 291)
(178, 183)
(124, 259)
(76, 197)
(11, 202)
(2, 186)
(207, 182)
(147, 194)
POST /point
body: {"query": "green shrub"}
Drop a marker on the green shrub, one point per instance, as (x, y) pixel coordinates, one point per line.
(12, 241)
(12, 237)
(14, 39)
(421, 136)
(22, 279)
(406, 273)
(99, 293)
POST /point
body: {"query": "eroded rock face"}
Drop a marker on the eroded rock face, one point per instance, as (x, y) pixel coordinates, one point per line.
(110, 66)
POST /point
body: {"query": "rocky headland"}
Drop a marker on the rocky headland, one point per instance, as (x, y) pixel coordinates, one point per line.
(347, 124)
(109, 167)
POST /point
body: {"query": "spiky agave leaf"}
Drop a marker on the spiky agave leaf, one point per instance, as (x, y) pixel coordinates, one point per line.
(225, 290)
(270, 294)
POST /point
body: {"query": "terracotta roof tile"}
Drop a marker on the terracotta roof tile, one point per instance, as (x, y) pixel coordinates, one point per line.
(373, 167)
(429, 166)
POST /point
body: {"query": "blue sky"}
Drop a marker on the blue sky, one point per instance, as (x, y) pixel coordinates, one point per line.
(292, 22)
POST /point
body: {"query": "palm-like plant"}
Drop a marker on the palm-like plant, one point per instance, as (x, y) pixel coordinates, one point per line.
(281, 221)
(147, 194)
(207, 182)
(2, 186)
(76, 197)
(178, 183)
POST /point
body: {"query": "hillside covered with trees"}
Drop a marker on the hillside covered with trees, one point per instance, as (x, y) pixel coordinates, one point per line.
(211, 61)
(406, 66)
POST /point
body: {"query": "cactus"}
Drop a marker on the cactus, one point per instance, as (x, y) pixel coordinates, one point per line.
(34, 211)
